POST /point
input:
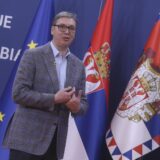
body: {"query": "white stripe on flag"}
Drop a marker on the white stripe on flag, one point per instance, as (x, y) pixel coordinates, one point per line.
(74, 146)
(134, 133)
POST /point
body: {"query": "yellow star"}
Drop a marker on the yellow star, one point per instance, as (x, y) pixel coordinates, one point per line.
(32, 44)
(1, 116)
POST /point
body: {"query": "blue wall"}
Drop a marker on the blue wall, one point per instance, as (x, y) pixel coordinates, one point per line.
(132, 23)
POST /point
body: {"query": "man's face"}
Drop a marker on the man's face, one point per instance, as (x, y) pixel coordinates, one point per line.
(63, 32)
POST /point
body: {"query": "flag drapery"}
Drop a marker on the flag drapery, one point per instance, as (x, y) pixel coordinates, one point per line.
(135, 129)
(39, 34)
(86, 134)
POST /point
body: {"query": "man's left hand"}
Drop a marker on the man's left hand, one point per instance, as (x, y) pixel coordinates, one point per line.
(74, 103)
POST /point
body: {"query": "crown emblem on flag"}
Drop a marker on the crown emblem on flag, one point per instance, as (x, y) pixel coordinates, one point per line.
(148, 82)
(97, 67)
(102, 60)
(141, 98)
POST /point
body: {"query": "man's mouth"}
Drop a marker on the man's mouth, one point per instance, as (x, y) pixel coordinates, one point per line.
(66, 38)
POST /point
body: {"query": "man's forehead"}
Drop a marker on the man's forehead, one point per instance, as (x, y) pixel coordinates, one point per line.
(66, 20)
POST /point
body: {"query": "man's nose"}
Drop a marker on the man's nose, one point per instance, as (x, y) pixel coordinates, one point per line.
(67, 30)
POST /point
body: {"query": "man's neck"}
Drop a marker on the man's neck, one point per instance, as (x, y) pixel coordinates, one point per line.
(62, 50)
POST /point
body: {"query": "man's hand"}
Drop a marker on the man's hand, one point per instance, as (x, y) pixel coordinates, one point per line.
(74, 103)
(64, 95)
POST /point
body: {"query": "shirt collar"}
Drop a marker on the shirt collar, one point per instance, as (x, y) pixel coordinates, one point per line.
(56, 51)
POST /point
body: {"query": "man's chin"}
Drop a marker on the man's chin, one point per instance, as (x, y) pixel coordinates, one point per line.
(67, 43)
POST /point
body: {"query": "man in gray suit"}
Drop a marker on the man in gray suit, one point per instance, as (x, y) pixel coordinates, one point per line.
(49, 84)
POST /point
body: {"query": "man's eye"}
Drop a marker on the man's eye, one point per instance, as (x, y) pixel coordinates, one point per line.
(71, 28)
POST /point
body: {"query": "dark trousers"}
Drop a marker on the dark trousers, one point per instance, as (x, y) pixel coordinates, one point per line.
(49, 155)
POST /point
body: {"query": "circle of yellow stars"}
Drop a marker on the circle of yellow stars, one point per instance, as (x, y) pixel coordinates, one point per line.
(1, 116)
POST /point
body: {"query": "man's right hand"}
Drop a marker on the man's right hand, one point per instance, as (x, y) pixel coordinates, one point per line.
(64, 95)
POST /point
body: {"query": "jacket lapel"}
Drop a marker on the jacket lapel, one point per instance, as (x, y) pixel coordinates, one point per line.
(51, 65)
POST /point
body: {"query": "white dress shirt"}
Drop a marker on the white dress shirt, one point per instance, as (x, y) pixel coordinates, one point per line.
(61, 65)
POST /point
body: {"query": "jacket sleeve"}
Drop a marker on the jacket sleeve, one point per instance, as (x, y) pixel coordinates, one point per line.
(23, 92)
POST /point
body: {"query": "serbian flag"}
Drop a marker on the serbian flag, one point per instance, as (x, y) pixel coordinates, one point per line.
(86, 134)
(135, 129)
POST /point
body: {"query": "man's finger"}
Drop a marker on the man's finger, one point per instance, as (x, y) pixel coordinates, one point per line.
(71, 92)
(68, 89)
(79, 94)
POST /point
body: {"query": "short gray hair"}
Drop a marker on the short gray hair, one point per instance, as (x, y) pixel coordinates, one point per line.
(66, 15)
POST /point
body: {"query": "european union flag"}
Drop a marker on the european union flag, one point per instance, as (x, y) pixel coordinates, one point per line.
(40, 30)
(39, 34)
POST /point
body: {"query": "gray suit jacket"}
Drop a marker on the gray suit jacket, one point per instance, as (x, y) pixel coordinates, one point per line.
(33, 125)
